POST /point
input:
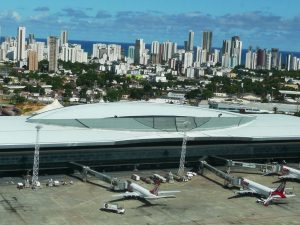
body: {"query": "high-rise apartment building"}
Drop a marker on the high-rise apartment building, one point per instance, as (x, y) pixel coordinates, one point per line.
(275, 58)
(226, 53)
(190, 44)
(168, 50)
(114, 52)
(53, 53)
(99, 50)
(32, 60)
(201, 56)
(40, 48)
(216, 56)
(279, 61)
(232, 52)
(236, 51)
(155, 47)
(21, 44)
(31, 39)
(131, 52)
(226, 47)
(288, 62)
(187, 60)
(207, 41)
(268, 60)
(248, 62)
(139, 50)
(261, 58)
(155, 52)
(63, 37)
(73, 53)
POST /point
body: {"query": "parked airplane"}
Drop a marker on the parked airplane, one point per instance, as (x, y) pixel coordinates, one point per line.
(289, 173)
(268, 194)
(137, 191)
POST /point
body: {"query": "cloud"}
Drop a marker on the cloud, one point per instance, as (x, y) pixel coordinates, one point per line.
(42, 9)
(255, 27)
(74, 13)
(10, 16)
(15, 15)
(103, 15)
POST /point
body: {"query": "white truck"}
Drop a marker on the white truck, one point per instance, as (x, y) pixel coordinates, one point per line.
(113, 208)
(159, 177)
(135, 177)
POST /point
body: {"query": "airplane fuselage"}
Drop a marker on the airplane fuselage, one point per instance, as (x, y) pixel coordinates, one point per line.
(144, 193)
(258, 188)
(292, 171)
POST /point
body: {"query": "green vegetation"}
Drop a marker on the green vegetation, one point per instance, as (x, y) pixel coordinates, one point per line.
(86, 78)
(17, 99)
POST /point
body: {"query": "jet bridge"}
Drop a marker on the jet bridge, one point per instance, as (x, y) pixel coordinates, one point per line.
(117, 184)
(262, 168)
(229, 180)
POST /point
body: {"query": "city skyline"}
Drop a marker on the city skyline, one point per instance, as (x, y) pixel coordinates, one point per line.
(266, 24)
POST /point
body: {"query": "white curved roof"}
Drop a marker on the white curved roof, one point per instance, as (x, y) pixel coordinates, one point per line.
(17, 133)
(129, 109)
(54, 105)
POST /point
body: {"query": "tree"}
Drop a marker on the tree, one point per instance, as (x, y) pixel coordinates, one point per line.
(6, 80)
(82, 93)
(136, 93)
(43, 65)
(113, 95)
(170, 77)
(67, 93)
(17, 99)
(41, 91)
(193, 94)
(207, 94)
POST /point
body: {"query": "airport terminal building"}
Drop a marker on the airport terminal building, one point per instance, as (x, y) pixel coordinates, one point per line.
(141, 132)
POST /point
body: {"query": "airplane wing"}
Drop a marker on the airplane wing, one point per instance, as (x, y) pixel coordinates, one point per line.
(167, 192)
(288, 176)
(158, 197)
(245, 191)
(128, 194)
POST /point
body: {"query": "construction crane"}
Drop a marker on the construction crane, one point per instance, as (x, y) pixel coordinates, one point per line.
(36, 159)
(183, 150)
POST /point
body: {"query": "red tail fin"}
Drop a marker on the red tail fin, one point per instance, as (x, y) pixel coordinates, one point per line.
(285, 170)
(280, 190)
(156, 187)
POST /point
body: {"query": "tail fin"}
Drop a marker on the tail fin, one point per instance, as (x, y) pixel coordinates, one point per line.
(284, 170)
(280, 190)
(156, 187)
(278, 193)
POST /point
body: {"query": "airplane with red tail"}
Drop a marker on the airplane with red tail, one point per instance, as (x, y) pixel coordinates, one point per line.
(137, 191)
(268, 194)
(289, 173)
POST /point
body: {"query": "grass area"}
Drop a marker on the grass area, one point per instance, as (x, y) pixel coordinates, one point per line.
(29, 107)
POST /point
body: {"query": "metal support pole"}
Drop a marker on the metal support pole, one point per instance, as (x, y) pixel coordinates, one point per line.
(36, 160)
(183, 150)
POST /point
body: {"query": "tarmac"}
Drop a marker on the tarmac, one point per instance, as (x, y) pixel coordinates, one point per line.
(202, 200)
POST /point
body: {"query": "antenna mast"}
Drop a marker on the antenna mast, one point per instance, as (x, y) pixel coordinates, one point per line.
(36, 160)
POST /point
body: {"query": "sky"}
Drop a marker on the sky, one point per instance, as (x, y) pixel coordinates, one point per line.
(259, 23)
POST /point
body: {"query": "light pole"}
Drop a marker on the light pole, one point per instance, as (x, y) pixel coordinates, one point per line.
(36, 159)
(183, 150)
